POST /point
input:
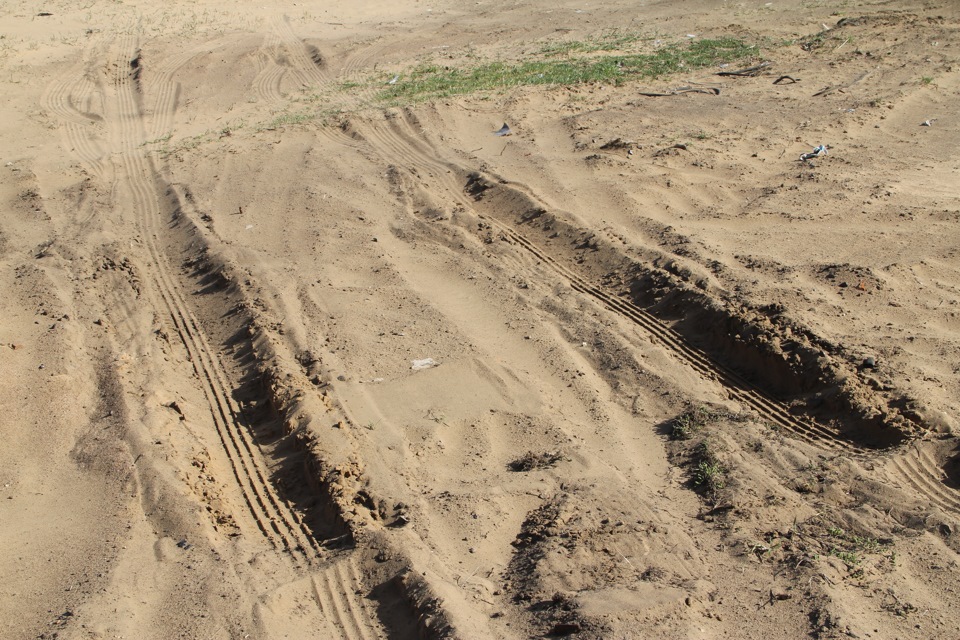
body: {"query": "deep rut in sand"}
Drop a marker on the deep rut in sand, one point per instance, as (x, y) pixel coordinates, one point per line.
(281, 484)
(269, 513)
(402, 143)
(395, 145)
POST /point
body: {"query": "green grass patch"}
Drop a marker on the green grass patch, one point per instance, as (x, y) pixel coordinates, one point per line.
(690, 422)
(615, 40)
(708, 474)
(288, 119)
(435, 81)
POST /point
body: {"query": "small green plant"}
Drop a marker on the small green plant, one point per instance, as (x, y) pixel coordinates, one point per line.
(836, 532)
(866, 545)
(162, 139)
(849, 558)
(926, 79)
(690, 422)
(709, 476)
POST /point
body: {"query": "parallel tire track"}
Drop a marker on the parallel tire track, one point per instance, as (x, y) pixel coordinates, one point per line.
(335, 590)
(168, 91)
(274, 518)
(400, 141)
(411, 149)
(303, 67)
(922, 474)
(740, 389)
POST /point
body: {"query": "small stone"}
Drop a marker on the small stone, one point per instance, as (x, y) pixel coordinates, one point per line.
(869, 363)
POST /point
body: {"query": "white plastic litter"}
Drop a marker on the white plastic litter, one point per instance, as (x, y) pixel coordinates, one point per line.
(818, 151)
(426, 363)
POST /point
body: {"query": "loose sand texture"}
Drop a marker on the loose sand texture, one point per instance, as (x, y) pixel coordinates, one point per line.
(300, 341)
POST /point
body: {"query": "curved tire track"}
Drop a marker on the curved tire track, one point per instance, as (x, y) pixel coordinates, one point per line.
(168, 91)
(59, 99)
(268, 80)
(303, 66)
(923, 475)
(308, 74)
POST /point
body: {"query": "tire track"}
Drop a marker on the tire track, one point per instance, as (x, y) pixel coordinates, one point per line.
(335, 590)
(399, 141)
(922, 475)
(59, 99)
(308, 74)
(272, 517)
(355, 69)
(738, 388)
(168, 91)
(267, 83)
(302, 66)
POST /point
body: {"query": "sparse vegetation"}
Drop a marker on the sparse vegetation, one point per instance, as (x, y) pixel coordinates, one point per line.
(608, 41)
(288, 118)
(851, 548)
(709, 474)
(436, 81)
(689, 423)
(849, 557)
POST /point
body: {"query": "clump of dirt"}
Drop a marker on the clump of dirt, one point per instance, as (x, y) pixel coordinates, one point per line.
(530, 461)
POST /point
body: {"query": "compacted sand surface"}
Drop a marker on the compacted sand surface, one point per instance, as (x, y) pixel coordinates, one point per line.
(296, 346)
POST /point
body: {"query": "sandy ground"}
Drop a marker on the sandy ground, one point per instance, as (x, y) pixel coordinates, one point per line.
(282, 362)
